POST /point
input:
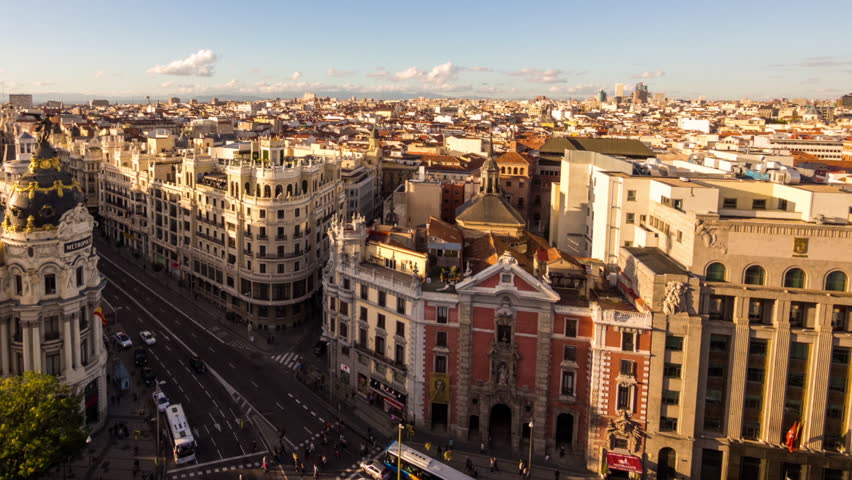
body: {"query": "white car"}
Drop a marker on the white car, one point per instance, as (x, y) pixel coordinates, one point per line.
(374, 468)
(123, 340)
(161, 401)
(147, 337)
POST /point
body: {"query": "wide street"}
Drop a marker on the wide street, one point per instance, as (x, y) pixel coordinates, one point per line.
(226, 406)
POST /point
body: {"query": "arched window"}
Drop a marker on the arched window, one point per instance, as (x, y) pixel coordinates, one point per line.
(794, 278)
(667, 464)
(304, 186)
(836, 281)
(248, 188)
(502, 169)
(267, 191)
(755, 275)
(515, 171)
(715, 272)
(289, 190)
(278, 190)
(257, 191)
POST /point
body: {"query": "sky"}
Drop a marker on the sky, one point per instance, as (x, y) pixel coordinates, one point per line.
(461, 48)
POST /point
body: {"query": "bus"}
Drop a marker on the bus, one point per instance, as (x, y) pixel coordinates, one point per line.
(182, 441)
(419, 466)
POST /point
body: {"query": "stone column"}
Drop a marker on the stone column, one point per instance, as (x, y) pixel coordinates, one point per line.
(542, 380)
(776, 376)
(4, 347)
(97, 327)
(463, 367)
(67, 349)
(739, 364)
(36, 346)
(815, 396)
(75, 344)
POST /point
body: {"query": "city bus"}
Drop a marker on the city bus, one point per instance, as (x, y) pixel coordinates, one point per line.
(182, 442)
(419, 466)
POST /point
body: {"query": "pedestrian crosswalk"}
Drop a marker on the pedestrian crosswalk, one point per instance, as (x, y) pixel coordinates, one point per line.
(243, 344)
(289, 359)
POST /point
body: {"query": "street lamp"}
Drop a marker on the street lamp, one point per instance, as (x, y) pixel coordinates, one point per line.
(529, 464)
(399, 454)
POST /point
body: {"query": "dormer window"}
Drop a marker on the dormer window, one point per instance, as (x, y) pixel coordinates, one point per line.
(505, 278)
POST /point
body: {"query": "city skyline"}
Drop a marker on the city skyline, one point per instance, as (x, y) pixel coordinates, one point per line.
(465, 50)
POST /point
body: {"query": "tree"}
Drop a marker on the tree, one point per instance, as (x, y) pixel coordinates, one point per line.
(41, 425)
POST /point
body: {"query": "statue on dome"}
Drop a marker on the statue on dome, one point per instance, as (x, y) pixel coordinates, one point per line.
(44, 129)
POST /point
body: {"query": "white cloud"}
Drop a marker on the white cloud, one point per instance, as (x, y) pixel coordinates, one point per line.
(296, 76)
(339, 73)
(167, 84)
(479, 68)
(538, 75)
(199, 64)
(650, 75)
(581, 89)
(443, 73)
(232, 83)
(43, 84)
(380, 73)
(408, 74)
(99, 74)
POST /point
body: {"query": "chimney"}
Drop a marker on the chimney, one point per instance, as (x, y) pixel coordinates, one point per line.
(513, 146)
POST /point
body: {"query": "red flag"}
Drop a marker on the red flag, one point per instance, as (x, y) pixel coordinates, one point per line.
(793, 436)
(100, 314)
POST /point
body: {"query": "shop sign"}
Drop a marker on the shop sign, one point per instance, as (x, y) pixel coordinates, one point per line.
(74, 246)
(345, 367)
(387, 391)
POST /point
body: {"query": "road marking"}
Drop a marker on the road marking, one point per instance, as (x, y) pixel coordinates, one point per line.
(205, 428)
(181, 388)
(320, 419)
(309, 432)
(167, 347)
(297, 400)
(211, 349)
(290, 394)
(255, 385)
(211, 463)
(231, 365)
(279, 405)
(313, 413)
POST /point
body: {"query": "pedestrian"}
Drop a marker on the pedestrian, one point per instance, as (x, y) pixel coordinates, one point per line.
(526, 473)
(562, 451)
(468, 464)
(265, 465)
(482, 447)
(254, 445)
(337, 453)
(491, 464)
(295, 459)
(496, 465)
(323, 460)
(521, 467)
(440, 451)
(556, 474)
(475, 473)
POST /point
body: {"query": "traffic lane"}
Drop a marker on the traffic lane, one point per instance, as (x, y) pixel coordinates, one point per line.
(211, 415)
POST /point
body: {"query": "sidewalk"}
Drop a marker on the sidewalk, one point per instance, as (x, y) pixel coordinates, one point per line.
(110, 456)
(166, 285)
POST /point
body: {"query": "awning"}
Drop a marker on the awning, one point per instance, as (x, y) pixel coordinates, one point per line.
(626, 463)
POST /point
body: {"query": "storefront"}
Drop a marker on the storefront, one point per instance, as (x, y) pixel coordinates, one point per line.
(620, 465)
(345, 373)
(390, 400)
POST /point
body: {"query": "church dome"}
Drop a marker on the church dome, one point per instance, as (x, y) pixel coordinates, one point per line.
(42, 195)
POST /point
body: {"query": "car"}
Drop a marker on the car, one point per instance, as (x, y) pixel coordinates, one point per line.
(140, 357)
(161, 401)
(122, 340)
(148, 377)
(375, 469)
(147, 337)
(320, 348)
(197, 364)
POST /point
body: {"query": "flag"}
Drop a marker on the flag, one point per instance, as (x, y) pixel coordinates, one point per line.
(99, 312)
(793, 436)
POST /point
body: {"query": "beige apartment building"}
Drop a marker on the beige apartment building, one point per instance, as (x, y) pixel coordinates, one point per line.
(248, 232)
(748, 284)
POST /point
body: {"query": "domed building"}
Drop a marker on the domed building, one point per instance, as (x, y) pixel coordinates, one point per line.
(50, 285)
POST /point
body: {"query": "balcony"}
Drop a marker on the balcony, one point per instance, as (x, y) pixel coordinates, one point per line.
(381, 357)
(262, 237)
(211, 239)
(281, 237)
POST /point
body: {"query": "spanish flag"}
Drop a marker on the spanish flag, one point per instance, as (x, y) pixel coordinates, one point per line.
(99, 312)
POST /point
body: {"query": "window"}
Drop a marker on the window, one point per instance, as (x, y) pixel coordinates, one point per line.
(346, 284)
(380, 345)
(758, 204)
(19, 285)
(383, 298)
(80, 276)
(400, 305)
(668, 424)
(344, 330)
(674, 343)
(755, 275)
(567, 387)
(628, 367)
(362, 337)
(280, 214)
(671, 397)
(631, 195)
(441, 339)
(363, 315)
(630, 218)
(782, 204)
(380, 321)
(836, 281)
(365, 292)
(569, 353)
(628, 341)
(52, 365)
(671, 370)
(504, 333)
(570, 327)
(400, 329)
(440, 364)
(84, 352)
(399, 354)
(506, 278)
(794, 278)
(715, 272)
(51, 328)
(624, 400)
(442, 314)
(49, 284)
(729, 203)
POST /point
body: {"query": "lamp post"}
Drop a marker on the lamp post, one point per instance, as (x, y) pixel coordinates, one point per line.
(529, 464)
(399, 454)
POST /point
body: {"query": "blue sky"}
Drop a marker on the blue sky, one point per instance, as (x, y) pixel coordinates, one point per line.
(497, 49)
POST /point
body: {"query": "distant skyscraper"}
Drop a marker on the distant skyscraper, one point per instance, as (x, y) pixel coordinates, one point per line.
(846, 100)
(21, 100)
(619, 91)
(602, 96)
(640, 93)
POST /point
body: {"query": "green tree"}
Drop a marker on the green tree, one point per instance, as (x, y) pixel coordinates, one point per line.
(41, 425)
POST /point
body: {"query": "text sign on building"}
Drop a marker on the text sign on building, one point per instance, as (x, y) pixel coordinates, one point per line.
(73, 246)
